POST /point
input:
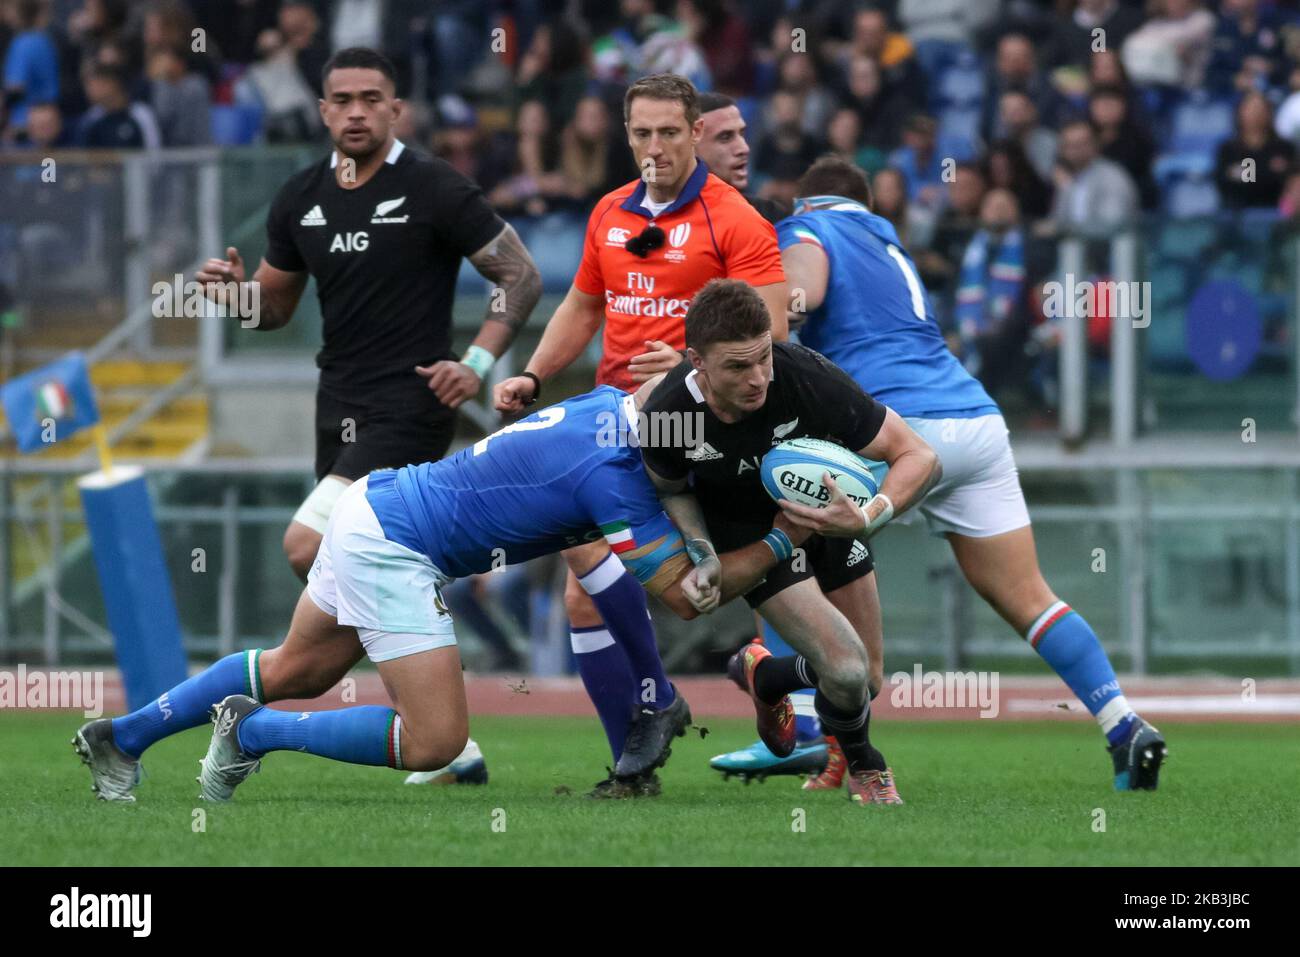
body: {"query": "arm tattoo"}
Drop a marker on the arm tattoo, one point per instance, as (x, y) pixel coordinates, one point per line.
(517, 285)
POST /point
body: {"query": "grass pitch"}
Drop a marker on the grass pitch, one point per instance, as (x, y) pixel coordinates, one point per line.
(978, 793)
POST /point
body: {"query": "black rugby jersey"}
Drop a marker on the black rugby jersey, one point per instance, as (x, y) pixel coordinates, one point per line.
(385, 257)
(809, 396)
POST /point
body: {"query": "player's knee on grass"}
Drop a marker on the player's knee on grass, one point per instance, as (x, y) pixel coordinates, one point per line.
(431, 751)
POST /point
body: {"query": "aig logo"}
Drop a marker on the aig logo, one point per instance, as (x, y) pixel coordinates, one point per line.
(350, 242)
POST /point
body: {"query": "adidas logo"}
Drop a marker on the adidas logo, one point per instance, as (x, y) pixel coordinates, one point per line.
(704, 453)
(314, 217)
(857, 554)
(225, 721)
(386, 207)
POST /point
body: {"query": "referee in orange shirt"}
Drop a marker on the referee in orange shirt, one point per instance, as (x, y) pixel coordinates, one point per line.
(650, 246)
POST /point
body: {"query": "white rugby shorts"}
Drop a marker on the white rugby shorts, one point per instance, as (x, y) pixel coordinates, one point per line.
(389, 593)
(979, 494)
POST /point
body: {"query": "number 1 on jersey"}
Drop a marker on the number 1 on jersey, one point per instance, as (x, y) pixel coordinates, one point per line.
(913, 283)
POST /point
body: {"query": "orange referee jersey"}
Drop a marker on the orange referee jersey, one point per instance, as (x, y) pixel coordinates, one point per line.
(710, 231)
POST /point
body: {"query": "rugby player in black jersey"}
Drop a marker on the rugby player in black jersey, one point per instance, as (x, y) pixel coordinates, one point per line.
(751, 394)
(383, 232)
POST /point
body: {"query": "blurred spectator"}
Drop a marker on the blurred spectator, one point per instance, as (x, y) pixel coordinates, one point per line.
(169, 27)
(1007, 167)
(724, 39)
(235, 27)
(992, 310)
(786, 151)
(290, 113)
(553, 71)
(31, 63)
(44, 130)
(379, 25)
(797, 75)
(459, 141)
(1077, 37)
(533, 176)
(1246, 51)
(616, 56)
(920, 161)
(952, 233)
(300, 26)
(1173, 47)
(1123, 140)
(1251, 167)
(1094, 196)
(1015, 67)
(889, 200)
(180, 100)
(1018, 118)
(591, 161)
(96, 23)
(113, 121)
(844, 135)
(882, 112)
(414, 125)
(893, 51)
(1287, 122)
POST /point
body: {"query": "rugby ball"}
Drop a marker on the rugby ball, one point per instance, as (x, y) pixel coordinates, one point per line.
(793, 471)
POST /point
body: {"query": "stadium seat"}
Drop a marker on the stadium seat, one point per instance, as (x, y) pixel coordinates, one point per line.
(1191, 197)
(235, 125)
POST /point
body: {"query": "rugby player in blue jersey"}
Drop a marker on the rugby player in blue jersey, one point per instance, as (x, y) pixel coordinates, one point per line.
(861, 304)
(569, 474)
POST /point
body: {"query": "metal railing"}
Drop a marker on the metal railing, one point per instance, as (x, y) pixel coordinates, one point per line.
(244, 594)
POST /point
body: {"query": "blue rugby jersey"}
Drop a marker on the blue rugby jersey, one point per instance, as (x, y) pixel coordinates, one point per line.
(876, 322)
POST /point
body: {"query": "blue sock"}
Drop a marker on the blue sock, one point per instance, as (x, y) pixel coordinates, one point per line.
(607, 676)
(1067, 643)
(807, 726)
(621, 601)
(186, 706)
(365, 734)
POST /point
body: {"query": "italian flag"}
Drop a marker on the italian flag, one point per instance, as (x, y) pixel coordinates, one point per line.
(619, 537)
(53, 401)
(806, 236)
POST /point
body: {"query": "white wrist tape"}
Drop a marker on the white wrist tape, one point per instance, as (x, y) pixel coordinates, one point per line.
(479, 360)
(882, 519)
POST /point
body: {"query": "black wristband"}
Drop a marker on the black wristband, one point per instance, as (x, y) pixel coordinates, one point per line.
(537, 387)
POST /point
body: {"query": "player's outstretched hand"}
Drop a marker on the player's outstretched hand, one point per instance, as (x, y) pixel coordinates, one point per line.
(511, 394)
(451, 381)
(839, 519)
(230, 269)
(658, 357)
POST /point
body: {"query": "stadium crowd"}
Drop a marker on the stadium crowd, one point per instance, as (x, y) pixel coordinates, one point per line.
(989, 127)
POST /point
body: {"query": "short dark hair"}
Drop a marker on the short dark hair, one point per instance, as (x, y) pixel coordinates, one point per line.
(725, 310)
(714, 101)
(664, 86)
(106, 71)
(358, 58)
(833, 175)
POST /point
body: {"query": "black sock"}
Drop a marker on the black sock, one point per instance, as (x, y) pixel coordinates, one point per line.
(851, 729)
(777, 677)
